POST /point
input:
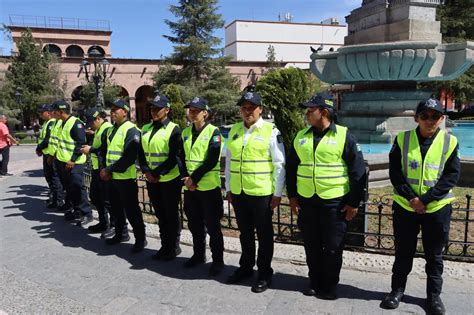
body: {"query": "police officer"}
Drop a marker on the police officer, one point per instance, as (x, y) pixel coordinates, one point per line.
(43, 149)
(202, 196)
(424, 167)
(98, 192)
(255, 177)
(70, 162)
(159, 161)
(325, 181)
(120, 152)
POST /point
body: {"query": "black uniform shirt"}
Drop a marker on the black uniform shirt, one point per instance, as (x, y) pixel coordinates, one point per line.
(213, 154)
(78, 134)
(448, 180)
(351, 155)
(175, 145)
(44, 144)
(129, 155)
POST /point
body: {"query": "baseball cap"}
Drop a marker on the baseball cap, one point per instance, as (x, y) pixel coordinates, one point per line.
(120, 103)
(61, 105)
(90, 115)
(428, 104)
(198, 102)
(160, 101)
(320, 100)
(44, 108)
(251, 97)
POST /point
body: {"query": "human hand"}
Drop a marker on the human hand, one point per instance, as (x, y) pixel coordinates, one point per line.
(294, 205)
(70, 165)
(85, 149)
(350, 211)
(105, 175)
(275, 202)
(418, 205)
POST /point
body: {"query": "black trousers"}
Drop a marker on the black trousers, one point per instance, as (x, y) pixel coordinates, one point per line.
(255, 213)
(435, 232)
(165, 198)
(99, 195)
(5, 152)
(73, 183)
(324, 227)
(124, 205)
(56, 191)
(204, 210)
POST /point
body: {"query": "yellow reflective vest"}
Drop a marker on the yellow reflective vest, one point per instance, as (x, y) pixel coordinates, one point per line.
(115, 148)
(97, 143)
(196, 153)
(156, 149)
(321, 171)
(66, 143)
(43, 132)
(53, 143)
(251, 167)
(423, 174)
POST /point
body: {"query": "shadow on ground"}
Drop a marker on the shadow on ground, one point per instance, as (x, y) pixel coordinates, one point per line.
(30, 200)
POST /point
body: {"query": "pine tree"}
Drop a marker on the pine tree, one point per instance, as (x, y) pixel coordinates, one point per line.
(197, 66)
(33, 74)
(272, 63)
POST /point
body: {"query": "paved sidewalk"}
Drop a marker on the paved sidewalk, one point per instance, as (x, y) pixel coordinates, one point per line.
(50, 266)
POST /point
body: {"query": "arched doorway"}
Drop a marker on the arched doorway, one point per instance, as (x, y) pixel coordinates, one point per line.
(74, 51)
(53, 49)
(99, 49)
(142, 95)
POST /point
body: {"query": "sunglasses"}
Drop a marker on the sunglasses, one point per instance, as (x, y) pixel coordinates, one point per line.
(433, 117)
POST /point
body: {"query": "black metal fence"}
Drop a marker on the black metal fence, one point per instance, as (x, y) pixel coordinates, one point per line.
(370, 231)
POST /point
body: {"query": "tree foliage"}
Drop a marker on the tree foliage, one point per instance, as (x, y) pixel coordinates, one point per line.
(457, 25)
(87, 95)
(178, 113)
(282, 90)
(197, 67)
(33, 73)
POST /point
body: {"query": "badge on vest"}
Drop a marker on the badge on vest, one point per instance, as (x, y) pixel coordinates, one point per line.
(302, 141)
(235, 136)
(185, 139)
(414, 164)
(332, 142)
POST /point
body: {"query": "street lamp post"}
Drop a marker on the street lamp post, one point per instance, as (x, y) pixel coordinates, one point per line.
(18, 98)
(99, 74)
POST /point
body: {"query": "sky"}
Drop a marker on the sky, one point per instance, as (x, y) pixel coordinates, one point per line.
(138, 25)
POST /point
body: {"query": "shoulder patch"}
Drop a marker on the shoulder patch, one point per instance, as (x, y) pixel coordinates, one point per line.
(280, 139)
(79, 125)
(216, 139)
(136, 138)
(359, 149)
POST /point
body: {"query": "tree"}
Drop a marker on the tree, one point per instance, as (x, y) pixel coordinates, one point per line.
(178, 113)
(32, 72)
(87, 94)
(272, 63)
(197, 67)
(282, 90)
(457, 25)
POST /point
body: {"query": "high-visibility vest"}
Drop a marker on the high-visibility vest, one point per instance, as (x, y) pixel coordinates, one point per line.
(423, 174)
(157, 149)
(115, 148)
(147, 127)
(197, 152)
(43, 132)
(97, 143)
(321, 171)
(66, 142)
(251, 167)
(53, 144)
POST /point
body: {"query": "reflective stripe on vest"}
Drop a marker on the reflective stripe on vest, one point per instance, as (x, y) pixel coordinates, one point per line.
(197, 152)
(422, 174)
(54, 137)
(115, 150)
(157, 149)
(321, 171)
(97, 143)
(44, 131)
(251, 167)
(66, 143)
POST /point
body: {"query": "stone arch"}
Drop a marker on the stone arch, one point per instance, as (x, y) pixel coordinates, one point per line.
(74, 51)
(76, 93)
(142, 95)
(123, 92)
(100, 49)
(53, 49)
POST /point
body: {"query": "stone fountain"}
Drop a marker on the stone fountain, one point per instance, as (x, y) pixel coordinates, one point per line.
(392, 45)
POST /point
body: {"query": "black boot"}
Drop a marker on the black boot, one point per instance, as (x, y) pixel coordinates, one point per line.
(392, 300)
(435, 305)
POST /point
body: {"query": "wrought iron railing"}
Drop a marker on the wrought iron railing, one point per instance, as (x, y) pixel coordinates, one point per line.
(370, 231)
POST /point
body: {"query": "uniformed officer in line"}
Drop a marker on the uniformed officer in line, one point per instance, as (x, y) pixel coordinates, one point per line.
(255, 177)
(325, 181)
(424, 167)
(43, 149)
(70, 162)
(99, 190)
(120, 151)
(203, 203)
(159, 161)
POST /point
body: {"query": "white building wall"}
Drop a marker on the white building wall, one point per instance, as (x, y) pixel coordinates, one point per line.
(249, 40)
